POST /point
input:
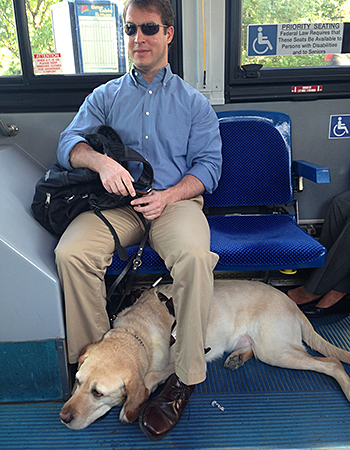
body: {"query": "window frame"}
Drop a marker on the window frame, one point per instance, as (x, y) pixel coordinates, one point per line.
(274, 84)
(55, 93)
(61, 93)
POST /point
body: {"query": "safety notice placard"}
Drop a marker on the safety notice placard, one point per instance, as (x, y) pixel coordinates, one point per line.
(47, 63)
(295, 39)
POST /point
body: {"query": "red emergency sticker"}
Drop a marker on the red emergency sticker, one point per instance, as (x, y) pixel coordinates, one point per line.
(301, 89)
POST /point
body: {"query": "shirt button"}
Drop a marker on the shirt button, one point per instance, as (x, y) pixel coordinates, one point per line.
(150, 92)
(147, 113)
(146, 137)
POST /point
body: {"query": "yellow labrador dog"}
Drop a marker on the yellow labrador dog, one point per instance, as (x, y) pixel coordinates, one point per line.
(247, 318)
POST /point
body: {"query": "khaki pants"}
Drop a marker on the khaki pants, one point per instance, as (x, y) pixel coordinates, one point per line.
(181, 237)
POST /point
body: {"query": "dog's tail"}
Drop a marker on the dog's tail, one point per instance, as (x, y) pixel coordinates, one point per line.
(316, 342)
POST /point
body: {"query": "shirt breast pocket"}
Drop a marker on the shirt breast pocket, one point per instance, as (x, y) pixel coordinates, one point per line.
(174, 133)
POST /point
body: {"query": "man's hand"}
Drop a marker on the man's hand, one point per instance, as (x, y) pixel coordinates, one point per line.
(151, 205)
(114, 177)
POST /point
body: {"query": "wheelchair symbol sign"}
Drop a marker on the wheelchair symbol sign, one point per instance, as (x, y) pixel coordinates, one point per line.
(339, 126)
(262, 40)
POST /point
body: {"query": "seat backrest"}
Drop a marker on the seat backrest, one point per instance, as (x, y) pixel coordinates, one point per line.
(257, 160)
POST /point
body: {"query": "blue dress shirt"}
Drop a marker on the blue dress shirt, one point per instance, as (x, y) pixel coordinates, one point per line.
(168, 122)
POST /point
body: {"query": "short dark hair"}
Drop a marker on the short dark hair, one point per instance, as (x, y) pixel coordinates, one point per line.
(163, 8)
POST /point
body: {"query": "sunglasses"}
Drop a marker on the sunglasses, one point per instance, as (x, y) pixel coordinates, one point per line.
(149, 29)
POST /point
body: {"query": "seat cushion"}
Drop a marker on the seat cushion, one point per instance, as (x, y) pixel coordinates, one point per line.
(263, 242)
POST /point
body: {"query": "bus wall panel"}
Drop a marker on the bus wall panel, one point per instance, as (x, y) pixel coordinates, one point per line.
(31, 300)
(39, 134)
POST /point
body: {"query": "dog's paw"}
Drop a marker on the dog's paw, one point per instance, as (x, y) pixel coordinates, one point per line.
(234, 362)
(122, 416)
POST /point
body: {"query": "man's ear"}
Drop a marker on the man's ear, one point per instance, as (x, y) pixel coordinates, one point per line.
(136, 396)
(170, 34)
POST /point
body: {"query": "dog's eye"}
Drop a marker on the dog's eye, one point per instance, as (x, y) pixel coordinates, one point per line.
(96, 394)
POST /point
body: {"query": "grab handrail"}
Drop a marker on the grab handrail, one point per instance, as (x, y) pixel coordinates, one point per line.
(8, 130)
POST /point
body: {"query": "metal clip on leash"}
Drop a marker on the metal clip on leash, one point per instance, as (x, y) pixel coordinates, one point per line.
(135, 261)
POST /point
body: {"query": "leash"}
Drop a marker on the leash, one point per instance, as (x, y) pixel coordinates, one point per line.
(170, 305)
(122, 253)
(134, 263)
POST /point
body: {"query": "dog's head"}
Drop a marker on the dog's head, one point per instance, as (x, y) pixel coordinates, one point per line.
(105, 378)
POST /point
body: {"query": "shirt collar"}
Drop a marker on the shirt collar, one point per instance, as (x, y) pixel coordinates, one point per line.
(164, 75)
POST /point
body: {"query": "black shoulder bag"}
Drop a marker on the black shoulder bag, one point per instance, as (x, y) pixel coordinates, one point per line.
(60, 195)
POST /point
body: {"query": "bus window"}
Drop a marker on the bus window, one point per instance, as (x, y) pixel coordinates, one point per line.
(309, 34)
(66, 37)
(65, 49)
(10, 63)
(281, 49)
(88, 36)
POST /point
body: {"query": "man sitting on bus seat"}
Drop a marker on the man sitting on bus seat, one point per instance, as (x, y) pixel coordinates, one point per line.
(175, 128)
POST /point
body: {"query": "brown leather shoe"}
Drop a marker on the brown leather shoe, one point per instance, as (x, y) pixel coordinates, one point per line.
(162, 413)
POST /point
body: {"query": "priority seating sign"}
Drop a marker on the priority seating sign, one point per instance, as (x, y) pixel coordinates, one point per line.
(296, 39)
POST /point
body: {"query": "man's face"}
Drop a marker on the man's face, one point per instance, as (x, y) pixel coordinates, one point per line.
(148, 53)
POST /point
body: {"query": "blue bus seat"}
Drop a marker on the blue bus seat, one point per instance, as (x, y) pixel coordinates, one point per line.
(257, 172)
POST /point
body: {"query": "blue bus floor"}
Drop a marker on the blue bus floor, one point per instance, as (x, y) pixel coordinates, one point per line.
(264, 408)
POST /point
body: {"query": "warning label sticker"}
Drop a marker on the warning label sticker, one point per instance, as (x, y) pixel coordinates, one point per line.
(47, 63)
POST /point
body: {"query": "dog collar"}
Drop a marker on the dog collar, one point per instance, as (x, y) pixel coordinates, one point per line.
(137, 337)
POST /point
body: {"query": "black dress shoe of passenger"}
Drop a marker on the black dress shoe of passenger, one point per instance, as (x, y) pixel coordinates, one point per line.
(341, 307)
(162, 413)
(307, 305)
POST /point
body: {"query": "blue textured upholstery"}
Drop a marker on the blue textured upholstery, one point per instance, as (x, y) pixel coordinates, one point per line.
(263, 242)
(257, 171)
(257, 163)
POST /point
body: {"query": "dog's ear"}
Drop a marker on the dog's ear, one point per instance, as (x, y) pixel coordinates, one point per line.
(83, 355)
(136, 396)
(83, 351)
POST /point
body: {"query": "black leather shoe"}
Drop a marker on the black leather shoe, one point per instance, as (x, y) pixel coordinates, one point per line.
(162, 413)
(341, 307)
(307, 305)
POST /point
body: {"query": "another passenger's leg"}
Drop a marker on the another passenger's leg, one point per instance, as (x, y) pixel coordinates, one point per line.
(331, 282)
